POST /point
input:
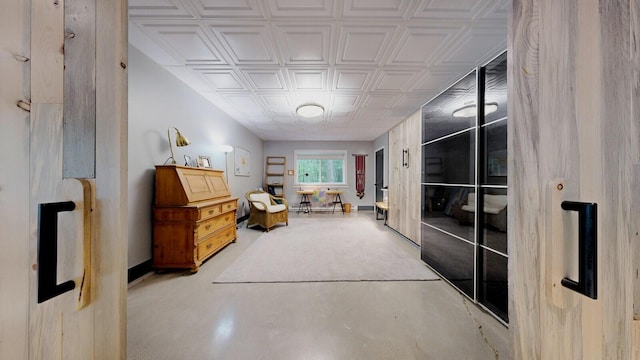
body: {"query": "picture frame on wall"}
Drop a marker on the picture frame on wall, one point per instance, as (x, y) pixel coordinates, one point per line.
(204, 162)
(242, 162)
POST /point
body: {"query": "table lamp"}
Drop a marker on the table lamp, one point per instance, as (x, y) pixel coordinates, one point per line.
(181, 141)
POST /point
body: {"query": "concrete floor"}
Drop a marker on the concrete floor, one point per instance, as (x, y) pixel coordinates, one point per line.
(180, 316)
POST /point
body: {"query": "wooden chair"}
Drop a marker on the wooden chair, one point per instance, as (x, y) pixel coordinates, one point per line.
(265, 209)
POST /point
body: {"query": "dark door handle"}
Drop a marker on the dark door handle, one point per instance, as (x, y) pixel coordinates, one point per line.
(587, 283)
(48, 251)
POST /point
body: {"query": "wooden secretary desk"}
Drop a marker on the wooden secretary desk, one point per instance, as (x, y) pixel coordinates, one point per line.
(194, 216)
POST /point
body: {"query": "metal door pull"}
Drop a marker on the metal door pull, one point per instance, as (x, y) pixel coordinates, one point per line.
(48, 251)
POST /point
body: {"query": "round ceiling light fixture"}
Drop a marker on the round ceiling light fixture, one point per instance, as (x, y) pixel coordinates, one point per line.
(310, 110)
(470, 110)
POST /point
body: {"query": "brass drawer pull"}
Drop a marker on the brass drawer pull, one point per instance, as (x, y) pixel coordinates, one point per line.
(211, 212)
(208, 227)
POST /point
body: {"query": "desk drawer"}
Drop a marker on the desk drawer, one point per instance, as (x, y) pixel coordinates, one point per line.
(214, 210)
(229, 205)
(216, 241)
(208, 226)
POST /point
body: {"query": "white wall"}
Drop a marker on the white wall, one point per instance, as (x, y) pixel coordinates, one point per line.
(158, 100)
(286, 148)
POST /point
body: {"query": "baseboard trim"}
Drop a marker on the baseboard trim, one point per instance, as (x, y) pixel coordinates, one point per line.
(139, 270)
(365, 208)
(242, 218)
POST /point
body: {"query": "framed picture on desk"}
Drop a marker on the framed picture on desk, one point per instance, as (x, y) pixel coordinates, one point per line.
(204, 162)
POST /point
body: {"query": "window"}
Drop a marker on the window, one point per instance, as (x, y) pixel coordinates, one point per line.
(321, 167)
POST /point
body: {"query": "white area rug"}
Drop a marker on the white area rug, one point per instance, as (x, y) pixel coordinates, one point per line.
(327, 249)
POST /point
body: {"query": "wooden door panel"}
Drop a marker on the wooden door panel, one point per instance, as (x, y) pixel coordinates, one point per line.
(14, 187)
(404, 181)
(570, 99)
(70, 336)
(77, 324)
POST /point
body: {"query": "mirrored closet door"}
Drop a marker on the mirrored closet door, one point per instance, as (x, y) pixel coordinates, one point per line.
(464, 185)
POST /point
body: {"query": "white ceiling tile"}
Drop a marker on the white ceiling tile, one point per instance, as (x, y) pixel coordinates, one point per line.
(222, 80)
(470, 49)
(437, 80)
(463, 10)
(363, 44)
(226, 9)
(375, 102)
(395, 80)
(247, 44)
(186, 42)
(304, 44)
(311, 97)
(498, 11)
(266, 79)
(369, 63)
(376, 9)
(151, 47)
(158, 8)
(421, 45)
(346, 79)
(296, 9)
(276, 101)
(345, 102)
(308, 79)
(408, 102)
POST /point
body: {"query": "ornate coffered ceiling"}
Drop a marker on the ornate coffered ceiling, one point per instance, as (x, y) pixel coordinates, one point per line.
(369, 63)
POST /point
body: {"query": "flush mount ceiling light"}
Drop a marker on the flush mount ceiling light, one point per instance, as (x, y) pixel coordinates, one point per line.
(470, 110)
(310, 110)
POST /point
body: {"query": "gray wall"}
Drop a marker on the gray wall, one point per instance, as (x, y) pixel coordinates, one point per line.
(158, 100)
(286, 148)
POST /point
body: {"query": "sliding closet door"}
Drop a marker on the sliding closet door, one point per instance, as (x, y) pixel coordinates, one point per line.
(492, 185)
(448, 182)
(464, 186)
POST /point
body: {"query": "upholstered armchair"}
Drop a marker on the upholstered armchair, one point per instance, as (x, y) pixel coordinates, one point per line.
(265, 210)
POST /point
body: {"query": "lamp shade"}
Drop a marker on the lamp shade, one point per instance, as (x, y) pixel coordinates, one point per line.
(181, 141)
(225, 148)
(310, 110)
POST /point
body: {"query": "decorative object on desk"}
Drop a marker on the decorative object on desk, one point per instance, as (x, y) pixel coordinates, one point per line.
(181, 141)
(188, 161)
(360, 174)
(242, 162)
(204, 161)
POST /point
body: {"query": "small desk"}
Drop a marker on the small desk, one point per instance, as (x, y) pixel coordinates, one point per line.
(336, 199)
(381, 205)
(305, 203)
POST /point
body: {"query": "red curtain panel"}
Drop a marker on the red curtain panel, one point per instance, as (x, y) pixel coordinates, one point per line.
(360, 175)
